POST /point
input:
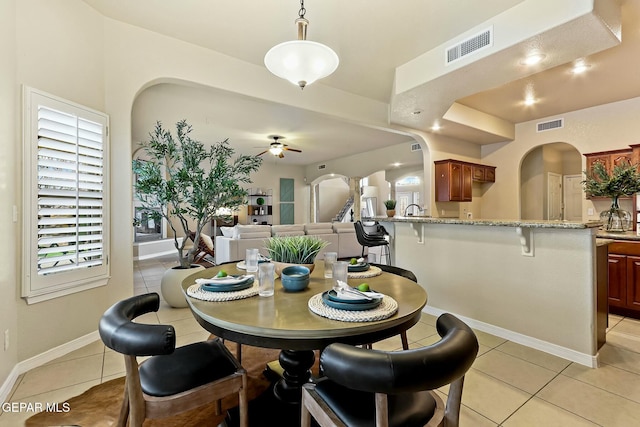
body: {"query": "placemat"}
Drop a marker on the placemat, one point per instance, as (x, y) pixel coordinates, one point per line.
(387, 308)
(195, 291)
(371, 272)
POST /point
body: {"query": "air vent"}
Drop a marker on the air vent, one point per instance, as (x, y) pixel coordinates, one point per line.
(416, 147)
(550, 125)
(469, 46)
(320, 167)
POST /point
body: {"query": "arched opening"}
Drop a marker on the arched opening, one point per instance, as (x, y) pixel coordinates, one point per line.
(550, 183)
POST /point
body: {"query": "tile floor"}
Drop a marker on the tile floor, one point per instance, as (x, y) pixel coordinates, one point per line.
(509, 385)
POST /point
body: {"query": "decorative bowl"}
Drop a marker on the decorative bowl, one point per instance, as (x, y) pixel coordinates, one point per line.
(282, 265)
(295, 278)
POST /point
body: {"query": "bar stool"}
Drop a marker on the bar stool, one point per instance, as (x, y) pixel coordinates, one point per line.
(372, 240)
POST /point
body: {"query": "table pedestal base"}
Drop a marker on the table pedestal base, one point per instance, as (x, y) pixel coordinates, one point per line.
(297, 371)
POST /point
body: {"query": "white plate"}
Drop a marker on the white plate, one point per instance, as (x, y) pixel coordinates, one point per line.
(241, 265)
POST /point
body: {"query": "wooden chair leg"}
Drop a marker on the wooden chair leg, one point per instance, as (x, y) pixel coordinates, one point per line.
(124, 408)
(405, 341)
(244, 402)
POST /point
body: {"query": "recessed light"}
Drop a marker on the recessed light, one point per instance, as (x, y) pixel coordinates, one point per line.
(530, 100)
(533, 58)
(436, 126)
(396, 164)
(580, 67)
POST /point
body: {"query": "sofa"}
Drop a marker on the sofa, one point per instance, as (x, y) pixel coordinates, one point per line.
(233, 243)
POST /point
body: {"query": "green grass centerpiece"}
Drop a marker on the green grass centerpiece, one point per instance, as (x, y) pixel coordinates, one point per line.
(300, 250)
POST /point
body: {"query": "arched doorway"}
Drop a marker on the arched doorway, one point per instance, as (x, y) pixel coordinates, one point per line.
(550, 183)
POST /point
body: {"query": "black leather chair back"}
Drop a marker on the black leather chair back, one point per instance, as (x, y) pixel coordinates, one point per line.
(388, 372)
(397, 271)
(119, 333)
(366, 240)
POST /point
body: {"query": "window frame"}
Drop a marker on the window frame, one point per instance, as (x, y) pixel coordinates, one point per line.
(41, 287)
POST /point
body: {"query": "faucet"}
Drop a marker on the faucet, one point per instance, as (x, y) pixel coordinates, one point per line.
(412, 204)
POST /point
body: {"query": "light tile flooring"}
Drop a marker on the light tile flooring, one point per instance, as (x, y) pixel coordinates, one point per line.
(509, 385)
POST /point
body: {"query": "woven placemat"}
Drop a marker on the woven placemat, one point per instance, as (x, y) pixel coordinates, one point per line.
(371, 272)
(196, 291)
(387, 308)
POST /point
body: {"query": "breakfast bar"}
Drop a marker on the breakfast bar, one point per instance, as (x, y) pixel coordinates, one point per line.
(532, 282)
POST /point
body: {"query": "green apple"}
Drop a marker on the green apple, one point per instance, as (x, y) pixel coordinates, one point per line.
(353, 261)
(363, 287)
(221, 273)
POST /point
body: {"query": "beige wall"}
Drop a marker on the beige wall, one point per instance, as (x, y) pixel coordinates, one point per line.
(332, 195)
(9, 122)
(605, 127)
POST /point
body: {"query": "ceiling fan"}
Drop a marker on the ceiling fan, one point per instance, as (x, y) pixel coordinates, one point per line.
(277, 148)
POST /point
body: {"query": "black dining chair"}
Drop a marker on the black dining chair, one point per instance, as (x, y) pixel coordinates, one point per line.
(363, 387)
(407, 275)
(173, 380)
(372, 240)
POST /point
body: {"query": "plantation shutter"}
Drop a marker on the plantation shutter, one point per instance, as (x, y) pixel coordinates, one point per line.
(68, 245)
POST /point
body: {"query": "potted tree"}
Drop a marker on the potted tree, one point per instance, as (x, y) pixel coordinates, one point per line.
(623, 180)
(191, 184)
(391, 207)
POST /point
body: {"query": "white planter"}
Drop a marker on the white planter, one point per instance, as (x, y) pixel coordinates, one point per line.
(171, 285)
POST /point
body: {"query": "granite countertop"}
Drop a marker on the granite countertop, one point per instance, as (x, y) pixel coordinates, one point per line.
(627, 235)
(491, 222)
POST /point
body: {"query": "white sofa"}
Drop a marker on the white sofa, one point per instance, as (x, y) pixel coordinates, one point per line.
(234, 242)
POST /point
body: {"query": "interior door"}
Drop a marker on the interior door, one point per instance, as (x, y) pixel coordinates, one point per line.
(554, 196)
(572, 190)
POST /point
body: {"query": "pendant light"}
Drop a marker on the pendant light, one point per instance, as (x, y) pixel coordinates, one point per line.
(302, 62)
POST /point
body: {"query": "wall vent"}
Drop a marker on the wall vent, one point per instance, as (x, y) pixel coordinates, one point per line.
(550, 125)
(469, 46)
(320, 167)
(416, 146)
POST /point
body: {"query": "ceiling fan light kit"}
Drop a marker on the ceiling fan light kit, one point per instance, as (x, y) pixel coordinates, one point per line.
(277, 148)
(302, 62)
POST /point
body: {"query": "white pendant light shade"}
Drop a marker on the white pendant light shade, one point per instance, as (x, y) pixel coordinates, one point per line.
(302, 62)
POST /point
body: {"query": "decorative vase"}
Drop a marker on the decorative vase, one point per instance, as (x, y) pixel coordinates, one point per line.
(280, 265)
(171, 285)
(615, 219)
(391, 212)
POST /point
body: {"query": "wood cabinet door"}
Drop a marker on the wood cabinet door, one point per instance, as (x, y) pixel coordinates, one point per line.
(478, 173)
(620, 159)
(442, 175)
(605, 159)
(455, 182)
(617, 280)
(467, 183)
(490, 174)
(633, 282)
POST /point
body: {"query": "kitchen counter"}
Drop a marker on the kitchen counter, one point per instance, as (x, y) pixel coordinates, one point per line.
(531, 282)
(627, 235)
(491, 222)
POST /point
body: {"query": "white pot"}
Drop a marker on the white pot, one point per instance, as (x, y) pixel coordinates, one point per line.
(171, 285)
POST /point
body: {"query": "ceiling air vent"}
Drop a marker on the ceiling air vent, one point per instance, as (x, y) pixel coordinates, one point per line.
(320, 167)
(469, 46)
(550, 125)
(416, 146)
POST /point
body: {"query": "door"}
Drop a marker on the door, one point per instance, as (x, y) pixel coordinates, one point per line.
(572, 196)
(554, 196)
(633, 282)
(617, 280)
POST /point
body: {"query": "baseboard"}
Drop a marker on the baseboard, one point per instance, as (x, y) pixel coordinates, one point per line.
(155, 255)
(42, 358)
(547, 347)
(8, 384)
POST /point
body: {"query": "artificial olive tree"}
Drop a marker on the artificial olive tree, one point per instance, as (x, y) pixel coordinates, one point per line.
(190, 182)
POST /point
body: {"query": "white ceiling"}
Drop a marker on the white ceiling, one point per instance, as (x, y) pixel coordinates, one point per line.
(372, 39)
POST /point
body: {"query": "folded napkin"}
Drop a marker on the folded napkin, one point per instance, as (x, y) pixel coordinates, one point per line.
(227, 280)
(344, 291)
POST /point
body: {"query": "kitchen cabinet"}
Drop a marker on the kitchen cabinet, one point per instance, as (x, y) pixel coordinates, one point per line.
(611, 159)
(260, 207)
(454, 179)
(624, 278)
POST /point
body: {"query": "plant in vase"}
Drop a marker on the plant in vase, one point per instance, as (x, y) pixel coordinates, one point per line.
(191, 184)
(623, 180)
(297, 250)
(391, 207)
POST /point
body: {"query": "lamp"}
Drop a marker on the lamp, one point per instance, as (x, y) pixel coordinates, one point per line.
(276, 150)
(302, 62)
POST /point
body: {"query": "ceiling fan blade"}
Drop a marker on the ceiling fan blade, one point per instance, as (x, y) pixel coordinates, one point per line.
(261, 153)
(292, 149)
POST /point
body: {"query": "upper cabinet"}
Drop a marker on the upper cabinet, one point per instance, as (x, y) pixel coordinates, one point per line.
(611, 159)
(454, 178)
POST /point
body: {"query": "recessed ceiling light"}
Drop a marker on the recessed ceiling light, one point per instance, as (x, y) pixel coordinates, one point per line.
(436, 126)
(396, 164)
(530, 100)
(580, 67)
(533, 58)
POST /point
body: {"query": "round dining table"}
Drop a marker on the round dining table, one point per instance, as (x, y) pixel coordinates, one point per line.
(284, 320)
